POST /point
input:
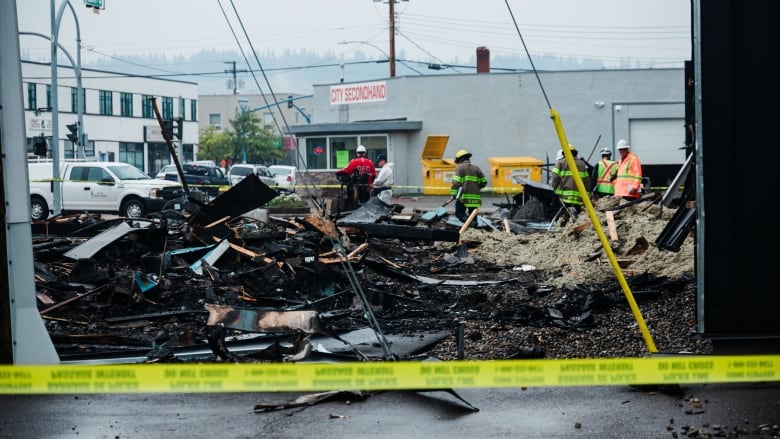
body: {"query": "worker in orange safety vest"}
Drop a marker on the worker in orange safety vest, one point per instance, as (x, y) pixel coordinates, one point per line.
(628, 184)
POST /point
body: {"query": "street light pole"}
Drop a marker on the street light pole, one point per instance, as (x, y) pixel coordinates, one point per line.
(56, 19)
(55, 125)
(242, 103)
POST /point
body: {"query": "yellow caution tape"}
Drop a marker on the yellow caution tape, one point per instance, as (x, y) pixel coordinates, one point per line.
(402, 375)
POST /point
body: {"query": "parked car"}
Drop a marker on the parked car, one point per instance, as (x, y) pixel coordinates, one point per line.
(209, 179)
(285, 176)
(238, 171)
(111, 187)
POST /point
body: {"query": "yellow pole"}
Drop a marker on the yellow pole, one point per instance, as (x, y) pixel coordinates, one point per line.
(600, 232)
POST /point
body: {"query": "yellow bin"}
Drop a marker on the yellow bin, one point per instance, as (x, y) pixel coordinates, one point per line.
(504, 169)
(437, 171)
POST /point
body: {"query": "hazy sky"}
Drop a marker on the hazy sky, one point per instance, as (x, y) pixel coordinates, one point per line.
(427, 30)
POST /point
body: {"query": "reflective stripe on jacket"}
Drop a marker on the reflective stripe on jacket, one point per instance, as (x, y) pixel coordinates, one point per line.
(471, 178)
(563, 180)
(629, 177)
(606, 171)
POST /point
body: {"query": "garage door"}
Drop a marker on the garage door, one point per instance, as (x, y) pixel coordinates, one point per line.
(658, 141)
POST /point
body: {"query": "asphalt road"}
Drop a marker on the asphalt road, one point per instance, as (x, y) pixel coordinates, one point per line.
(720, 410)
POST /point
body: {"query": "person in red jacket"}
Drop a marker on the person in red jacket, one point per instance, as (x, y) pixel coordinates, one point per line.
(628, 184)
(362, 173)
(360, 165)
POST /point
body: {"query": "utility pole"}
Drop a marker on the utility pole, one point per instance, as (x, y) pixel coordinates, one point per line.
(233, 71)
(392, 38)
(392, 3)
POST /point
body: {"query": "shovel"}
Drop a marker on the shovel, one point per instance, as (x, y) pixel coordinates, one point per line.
(440, 211)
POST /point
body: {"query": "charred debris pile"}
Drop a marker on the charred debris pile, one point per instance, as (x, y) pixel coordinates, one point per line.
(223, 283)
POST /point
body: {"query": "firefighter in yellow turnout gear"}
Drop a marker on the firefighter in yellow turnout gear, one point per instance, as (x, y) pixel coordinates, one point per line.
(469, 177)
(563, 182)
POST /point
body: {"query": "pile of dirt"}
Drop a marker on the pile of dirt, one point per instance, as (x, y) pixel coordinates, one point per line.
(577, 256)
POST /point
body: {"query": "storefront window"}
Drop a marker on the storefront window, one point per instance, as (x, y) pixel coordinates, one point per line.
(342, 150)
(336, 151)
(375, 145)
(316, 153)
(132, 153)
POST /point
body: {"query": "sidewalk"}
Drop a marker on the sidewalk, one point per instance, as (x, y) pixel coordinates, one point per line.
(426, 203)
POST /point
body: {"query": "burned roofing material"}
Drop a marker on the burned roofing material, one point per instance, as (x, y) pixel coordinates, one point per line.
(224, 283)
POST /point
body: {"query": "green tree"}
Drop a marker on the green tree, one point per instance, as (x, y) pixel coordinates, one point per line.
(245, 135)
(214, 145)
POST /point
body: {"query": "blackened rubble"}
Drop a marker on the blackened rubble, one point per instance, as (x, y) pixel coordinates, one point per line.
(148, 289)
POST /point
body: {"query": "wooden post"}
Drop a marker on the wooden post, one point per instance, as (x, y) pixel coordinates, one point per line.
(468, 221)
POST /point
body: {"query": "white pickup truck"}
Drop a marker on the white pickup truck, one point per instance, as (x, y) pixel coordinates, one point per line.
(99, 187)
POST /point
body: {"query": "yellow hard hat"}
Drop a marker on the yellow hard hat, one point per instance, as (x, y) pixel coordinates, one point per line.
(572, 147)
(462, 154)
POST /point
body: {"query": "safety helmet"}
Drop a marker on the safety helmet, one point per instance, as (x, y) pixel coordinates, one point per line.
(572, 147)
(605, 151)
(361, 149)
(622, 144)
(559, 154)
(462, 154)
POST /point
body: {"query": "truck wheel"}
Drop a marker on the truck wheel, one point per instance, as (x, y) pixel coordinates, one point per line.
(39, 210)
(133, 208)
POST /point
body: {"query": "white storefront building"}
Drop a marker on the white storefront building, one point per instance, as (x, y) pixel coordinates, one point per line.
(118, 115)
(496, 115)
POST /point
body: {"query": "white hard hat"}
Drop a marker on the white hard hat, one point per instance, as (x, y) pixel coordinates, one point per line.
(559, 155)
(622, 144)
(360, 149)
(605, 151)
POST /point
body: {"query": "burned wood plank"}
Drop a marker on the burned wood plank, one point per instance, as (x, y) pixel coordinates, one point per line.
(405, 233)
(73, 299)
(219, 221)
(321, 224)
(248, 253)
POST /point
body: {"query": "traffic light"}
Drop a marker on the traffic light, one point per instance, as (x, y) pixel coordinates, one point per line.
(168, 128)
(39, 146)
(73, 136)
(289, 101)
(179, 128)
